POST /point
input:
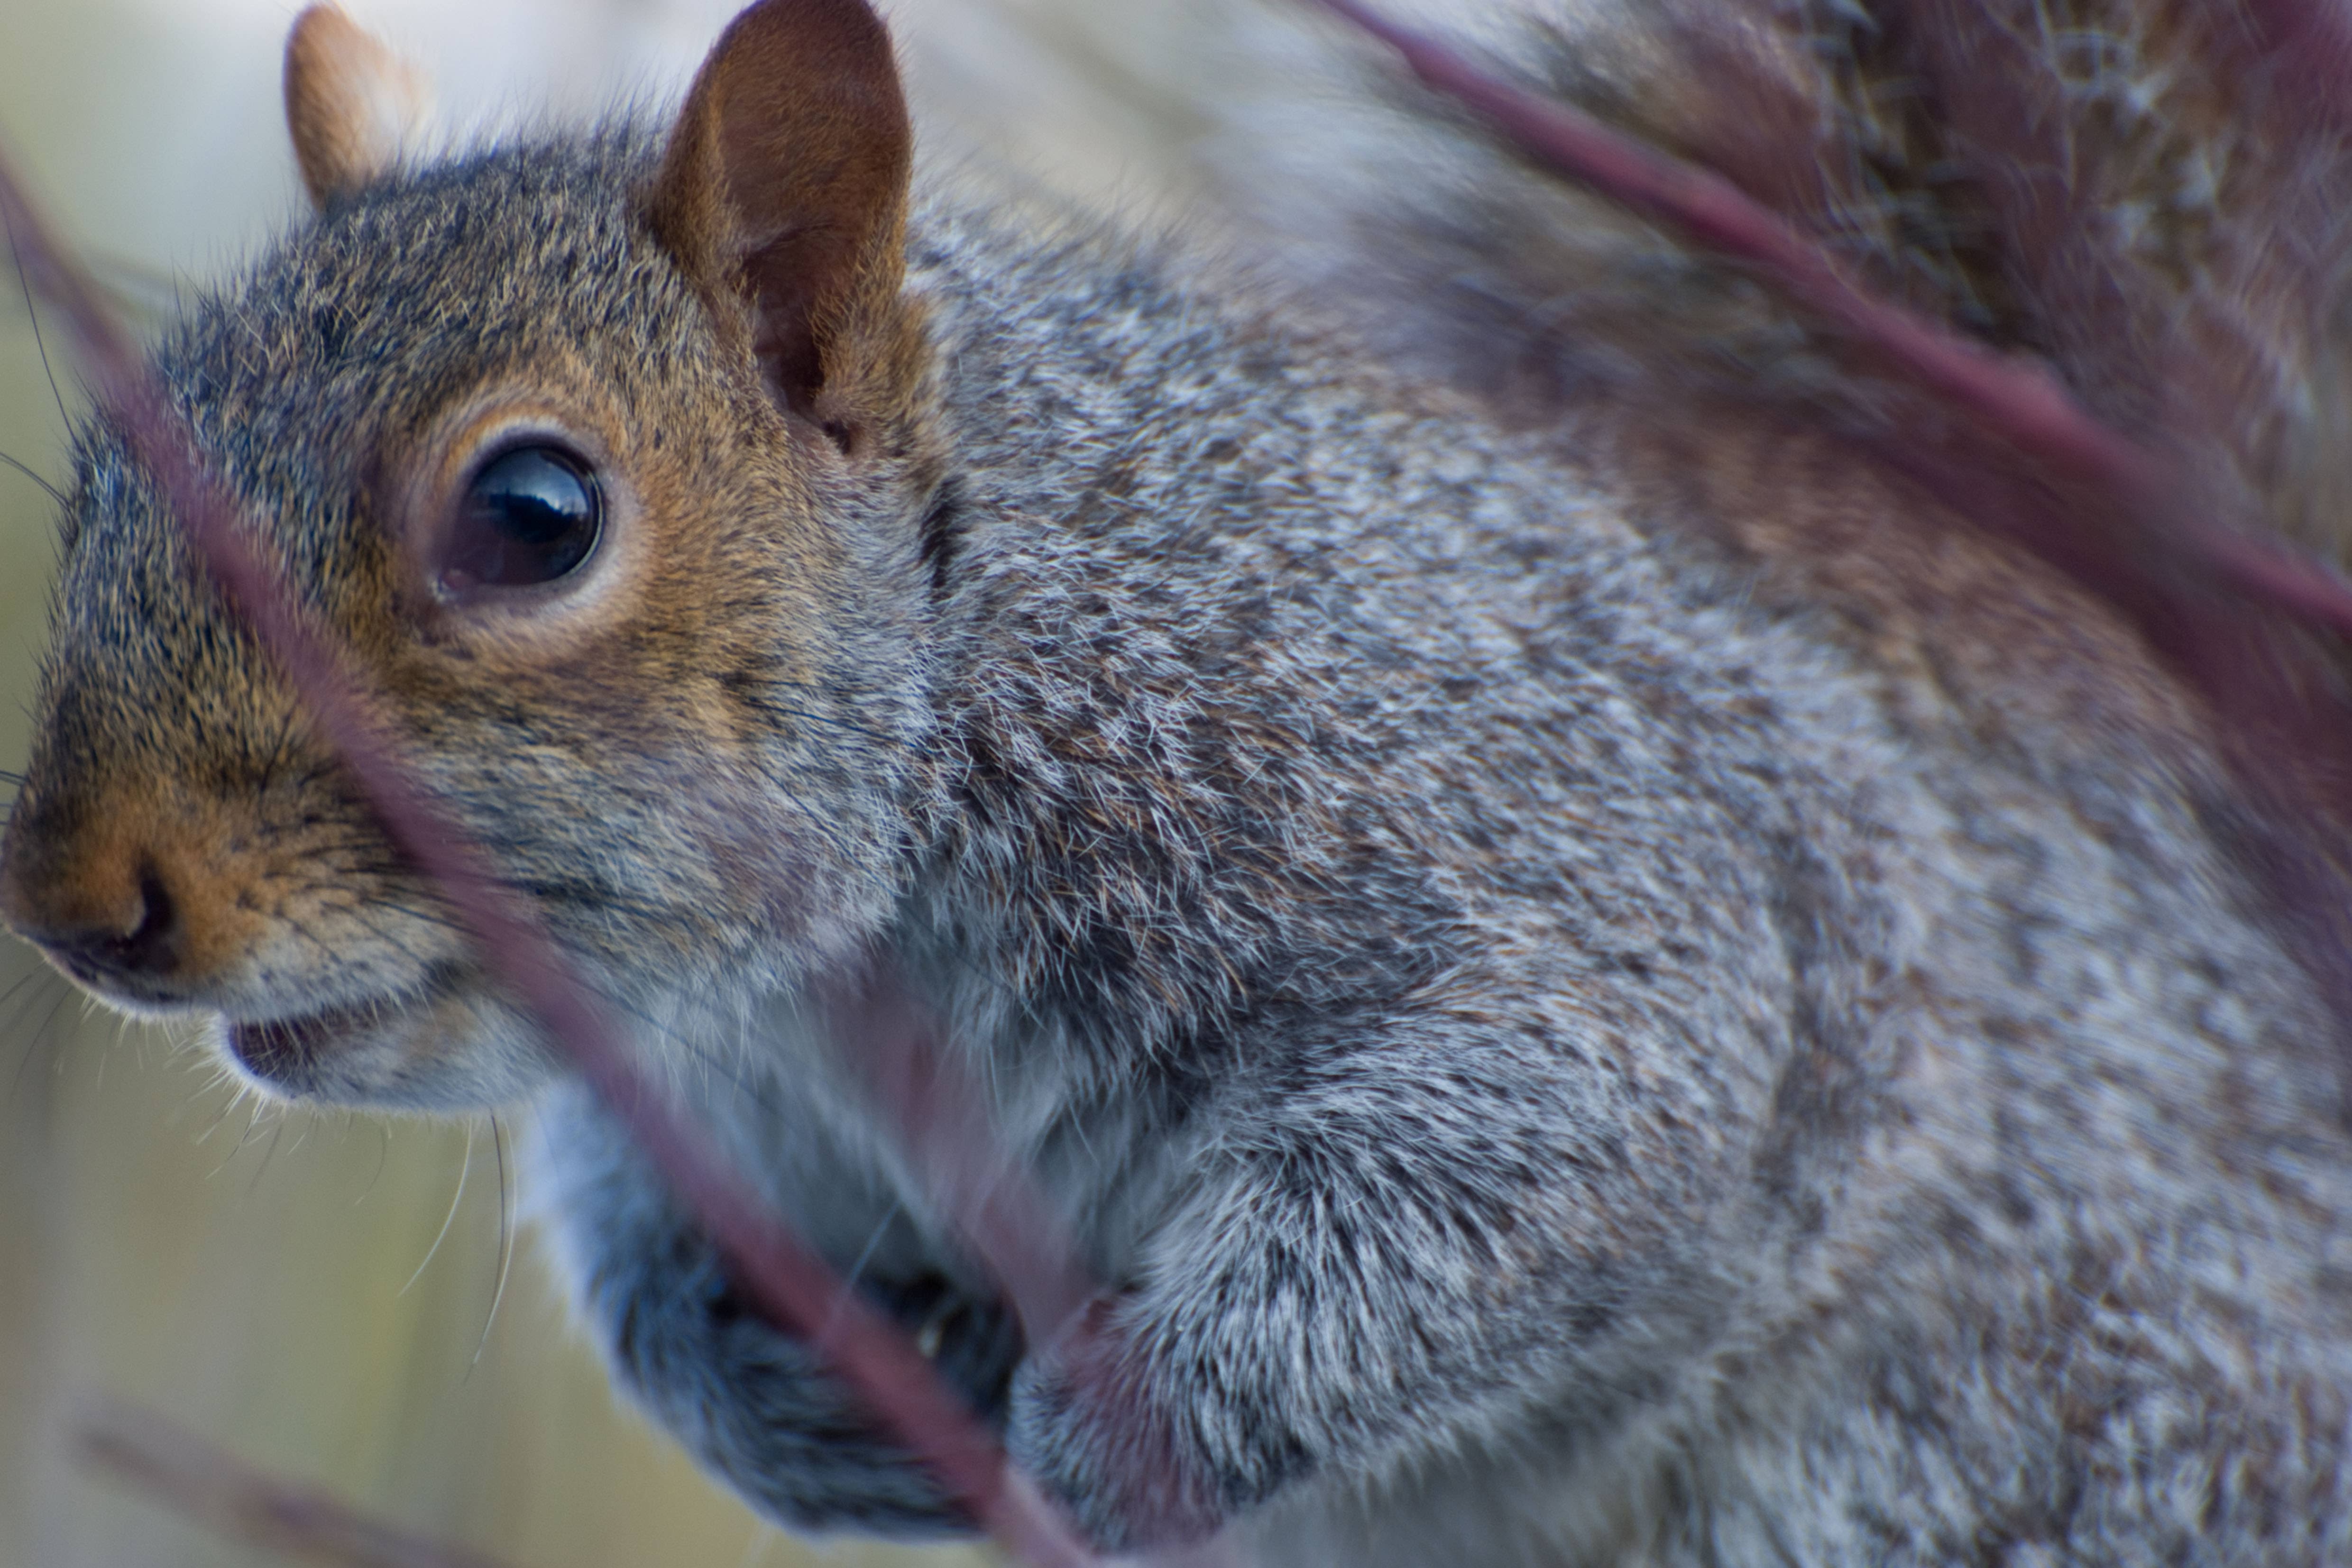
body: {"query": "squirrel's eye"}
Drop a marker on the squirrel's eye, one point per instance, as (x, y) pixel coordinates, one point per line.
(530, 515)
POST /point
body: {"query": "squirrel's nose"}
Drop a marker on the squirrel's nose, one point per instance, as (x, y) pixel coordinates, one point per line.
(124, 928)
(97, 900)
(138, 940)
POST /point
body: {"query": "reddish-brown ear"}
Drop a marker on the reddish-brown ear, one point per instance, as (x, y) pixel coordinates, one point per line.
(349, 103)
(784, 187)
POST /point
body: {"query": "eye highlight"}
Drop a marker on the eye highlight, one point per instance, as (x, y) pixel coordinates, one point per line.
(530, 515)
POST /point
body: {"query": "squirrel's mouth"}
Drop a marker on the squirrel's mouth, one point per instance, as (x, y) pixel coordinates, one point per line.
(311, 1054)
(280, 1048)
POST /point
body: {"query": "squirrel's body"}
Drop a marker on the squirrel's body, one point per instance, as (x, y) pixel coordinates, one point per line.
(1623, 989)
(1197, 668)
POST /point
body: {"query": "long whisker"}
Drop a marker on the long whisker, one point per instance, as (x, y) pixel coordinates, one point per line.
(254, 1107)
(857, 1270)
(239, 1091)
(382, 1160)
(506, 1240)
(42, 1034)
(449, 1218)
(693, 1050)
(28, 472)
(269, 1152)
(33, 314)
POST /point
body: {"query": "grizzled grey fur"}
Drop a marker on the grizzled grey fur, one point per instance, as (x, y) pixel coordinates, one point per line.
(1561, 1069)
(1556, 1052)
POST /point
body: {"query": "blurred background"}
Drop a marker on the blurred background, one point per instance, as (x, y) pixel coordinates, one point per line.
(321, 1292)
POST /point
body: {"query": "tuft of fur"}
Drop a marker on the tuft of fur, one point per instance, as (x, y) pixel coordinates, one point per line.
(2148, 196)
(1593, 990)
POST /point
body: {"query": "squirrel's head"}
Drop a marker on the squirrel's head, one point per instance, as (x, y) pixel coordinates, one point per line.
(604, 461)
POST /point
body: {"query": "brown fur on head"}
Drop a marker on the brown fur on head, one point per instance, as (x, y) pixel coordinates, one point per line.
(681, 743)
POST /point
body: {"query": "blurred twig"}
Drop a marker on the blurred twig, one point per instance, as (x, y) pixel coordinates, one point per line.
(184, 1471)
(940, 1117)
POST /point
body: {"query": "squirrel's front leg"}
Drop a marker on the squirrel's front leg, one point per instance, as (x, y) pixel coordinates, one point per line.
(750, 1400)
(1384, 1263)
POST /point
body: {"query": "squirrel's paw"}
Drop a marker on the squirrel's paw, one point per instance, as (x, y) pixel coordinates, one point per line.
(1098, 1421)
(754, 1405)
(749, 1400)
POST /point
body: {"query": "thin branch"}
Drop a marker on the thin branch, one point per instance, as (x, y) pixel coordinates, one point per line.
(198, 1478)
(941, 1119)
(780, 1272)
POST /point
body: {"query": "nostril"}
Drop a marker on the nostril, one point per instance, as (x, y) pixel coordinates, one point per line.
(108, 901)
(149, 948)
(95, 951)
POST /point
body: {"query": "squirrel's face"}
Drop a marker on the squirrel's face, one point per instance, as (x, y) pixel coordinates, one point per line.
(625, 567)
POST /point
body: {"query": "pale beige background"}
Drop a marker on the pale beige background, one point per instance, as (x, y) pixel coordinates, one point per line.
(272, 1277)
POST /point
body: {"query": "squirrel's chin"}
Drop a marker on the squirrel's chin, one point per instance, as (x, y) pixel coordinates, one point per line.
(448, 1052)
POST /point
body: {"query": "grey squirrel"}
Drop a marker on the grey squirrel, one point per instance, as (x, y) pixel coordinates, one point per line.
(1596, 979)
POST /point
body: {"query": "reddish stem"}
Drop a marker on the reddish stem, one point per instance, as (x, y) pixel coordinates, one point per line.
(204, 1482)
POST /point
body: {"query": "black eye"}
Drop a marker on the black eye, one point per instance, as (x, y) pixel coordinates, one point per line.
(530, 515)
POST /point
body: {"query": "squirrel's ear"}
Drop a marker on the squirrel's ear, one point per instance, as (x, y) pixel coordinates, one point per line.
(784, 187)
(349, 103)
